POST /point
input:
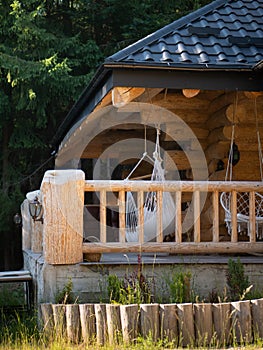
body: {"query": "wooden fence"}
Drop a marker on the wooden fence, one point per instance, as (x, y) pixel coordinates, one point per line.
(198, 324)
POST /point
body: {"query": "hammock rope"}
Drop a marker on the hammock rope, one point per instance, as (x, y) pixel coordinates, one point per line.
(150, 204)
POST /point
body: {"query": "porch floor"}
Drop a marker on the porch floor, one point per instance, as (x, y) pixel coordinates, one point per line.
(163, 258)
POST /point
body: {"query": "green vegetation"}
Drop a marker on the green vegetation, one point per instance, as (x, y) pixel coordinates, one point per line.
(238, 284)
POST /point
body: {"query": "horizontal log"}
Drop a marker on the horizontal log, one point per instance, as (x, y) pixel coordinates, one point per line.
(190, 93)
(242, 133)
(181, 132)
(218, 119)
(176, 248)
(172, 186)
(171, 100)
(245, 112)
(223, 100)
(190, 115)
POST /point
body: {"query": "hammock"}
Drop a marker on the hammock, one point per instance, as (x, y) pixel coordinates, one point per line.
(150, 207)
(243, 197)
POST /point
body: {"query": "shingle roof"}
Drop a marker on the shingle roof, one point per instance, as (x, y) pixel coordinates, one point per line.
(225, 33)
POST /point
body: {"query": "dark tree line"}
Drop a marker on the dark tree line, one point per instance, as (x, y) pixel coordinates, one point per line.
(49, 50)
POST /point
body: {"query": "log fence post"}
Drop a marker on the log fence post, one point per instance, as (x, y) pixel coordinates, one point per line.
(63, 200)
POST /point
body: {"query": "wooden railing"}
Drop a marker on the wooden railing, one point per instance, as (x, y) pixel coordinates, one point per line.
(198, 189)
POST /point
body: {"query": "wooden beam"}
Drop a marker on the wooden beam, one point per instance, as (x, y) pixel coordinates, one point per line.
(123, 95)
(173, 186)
(190, 93)
(175, 248)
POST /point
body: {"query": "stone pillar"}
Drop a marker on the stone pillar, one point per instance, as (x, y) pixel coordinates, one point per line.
(63, 200)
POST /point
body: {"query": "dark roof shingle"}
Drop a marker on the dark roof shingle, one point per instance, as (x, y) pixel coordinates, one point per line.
(225, 33)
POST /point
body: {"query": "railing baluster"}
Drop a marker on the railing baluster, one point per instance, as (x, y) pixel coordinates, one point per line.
(141, 216)
(234, 236)
(122, 223)
(196, 198)
(215, 216)
(178, 216)
(252, 217)
(159, 223)
(103, 221)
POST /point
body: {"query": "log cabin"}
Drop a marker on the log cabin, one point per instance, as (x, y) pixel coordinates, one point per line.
(189, 95)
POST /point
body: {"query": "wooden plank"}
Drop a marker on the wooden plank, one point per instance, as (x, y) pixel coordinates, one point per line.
(241, 321)
(168, 322)
(140, 203)
(222, 322)
(59, 314)
(197, 222)
(47, 319)
(178, 217)
(233, 206)
(101, 323)
(215, 216)
(159, 221)
(122, 223)
(88, 322)
(129, 322)
(257, 316)
(113, 323)
(73, 323)
(103, 219)
(175, 248)
(252, 218)
(150, 322)
(203, 323)
(186, 324)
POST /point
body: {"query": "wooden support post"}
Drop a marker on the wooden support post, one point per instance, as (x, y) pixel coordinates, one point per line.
(216, 216)
(203, 323)
(122, 223)
(129, 322)
(63, 201)
(73, 323)
(140, 206)
(150, 324)
(103, 218)
(186, 324)
(113, 323)
(178, 217)
(234, 237)
(241, 321)
(252, 218)
(159, 232)
(168, 320)
(88, 322)
(196, 199)
(257, 316)
(101, 323)
(222, 322)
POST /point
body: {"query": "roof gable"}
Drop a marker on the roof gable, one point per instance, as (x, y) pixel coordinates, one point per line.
(225, 33)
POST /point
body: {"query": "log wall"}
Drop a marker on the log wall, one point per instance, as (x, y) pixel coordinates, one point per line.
(197, 324)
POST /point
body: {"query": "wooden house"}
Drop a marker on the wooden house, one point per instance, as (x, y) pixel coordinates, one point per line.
(197, 84)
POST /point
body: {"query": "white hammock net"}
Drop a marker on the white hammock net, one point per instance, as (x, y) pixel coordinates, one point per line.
(150, 208)
(243, 212)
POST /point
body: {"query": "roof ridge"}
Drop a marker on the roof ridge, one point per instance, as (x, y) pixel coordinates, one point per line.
(166, 30)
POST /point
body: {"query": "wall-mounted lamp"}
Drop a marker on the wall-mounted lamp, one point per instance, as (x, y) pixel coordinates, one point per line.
(36, 210)
(17, 219)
